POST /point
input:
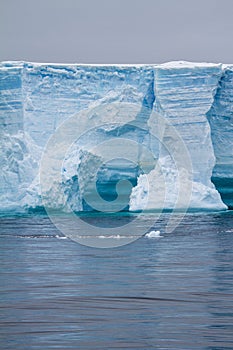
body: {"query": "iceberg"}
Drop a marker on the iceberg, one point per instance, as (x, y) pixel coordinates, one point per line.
(38, 100)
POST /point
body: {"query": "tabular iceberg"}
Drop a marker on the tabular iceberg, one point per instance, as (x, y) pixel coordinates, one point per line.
(194, 99)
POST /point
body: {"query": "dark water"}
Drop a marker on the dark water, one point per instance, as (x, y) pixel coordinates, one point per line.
(174, 292)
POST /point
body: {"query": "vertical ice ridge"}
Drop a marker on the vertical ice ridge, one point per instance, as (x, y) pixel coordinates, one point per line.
(183, 96)
(11, 121)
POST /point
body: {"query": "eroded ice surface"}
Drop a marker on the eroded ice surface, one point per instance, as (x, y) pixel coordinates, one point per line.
(194, 98)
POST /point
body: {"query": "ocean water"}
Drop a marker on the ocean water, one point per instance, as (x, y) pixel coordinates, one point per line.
(170, 292)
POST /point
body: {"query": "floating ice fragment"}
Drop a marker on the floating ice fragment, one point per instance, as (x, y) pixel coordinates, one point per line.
(153, 234)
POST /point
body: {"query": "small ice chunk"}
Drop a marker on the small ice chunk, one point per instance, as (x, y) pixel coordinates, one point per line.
(153, 234)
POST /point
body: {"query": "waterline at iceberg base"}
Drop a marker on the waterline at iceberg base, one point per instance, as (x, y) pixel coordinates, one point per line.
(194, 99)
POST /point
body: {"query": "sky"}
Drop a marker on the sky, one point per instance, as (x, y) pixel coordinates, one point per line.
(116, 31)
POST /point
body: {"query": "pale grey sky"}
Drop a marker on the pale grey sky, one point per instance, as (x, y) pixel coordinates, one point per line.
(116, 31)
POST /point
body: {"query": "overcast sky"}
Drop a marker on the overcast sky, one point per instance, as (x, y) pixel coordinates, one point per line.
(116, 31)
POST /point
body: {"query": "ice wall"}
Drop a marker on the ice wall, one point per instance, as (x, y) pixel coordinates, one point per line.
(220, 117)
(36, 98)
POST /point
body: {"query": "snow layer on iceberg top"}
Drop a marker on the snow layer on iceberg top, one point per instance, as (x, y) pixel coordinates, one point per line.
(186, 64)
(166, 65)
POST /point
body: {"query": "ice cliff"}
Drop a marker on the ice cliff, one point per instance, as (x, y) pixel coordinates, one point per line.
(195, 99)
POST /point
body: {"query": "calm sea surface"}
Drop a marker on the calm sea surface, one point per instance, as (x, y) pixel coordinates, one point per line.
(173, 292)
